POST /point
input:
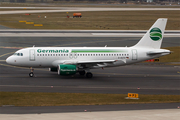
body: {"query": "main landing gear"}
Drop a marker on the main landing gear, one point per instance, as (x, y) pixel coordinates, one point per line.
(88, 74)
(31, 74)
(82, 72)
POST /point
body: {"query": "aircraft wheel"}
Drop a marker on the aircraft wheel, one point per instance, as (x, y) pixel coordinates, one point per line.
(89, 75)
(82, 72)
(31, 74)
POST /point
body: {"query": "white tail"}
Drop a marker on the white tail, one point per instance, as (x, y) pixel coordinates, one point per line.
(154, 36)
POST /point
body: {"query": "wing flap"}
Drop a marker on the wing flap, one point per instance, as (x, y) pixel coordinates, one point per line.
(96, 61)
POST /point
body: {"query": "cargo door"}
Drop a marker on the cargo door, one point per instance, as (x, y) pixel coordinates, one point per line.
(134, 54)
(32, 55)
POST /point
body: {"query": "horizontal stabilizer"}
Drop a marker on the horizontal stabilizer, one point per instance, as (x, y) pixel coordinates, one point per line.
(158, 52)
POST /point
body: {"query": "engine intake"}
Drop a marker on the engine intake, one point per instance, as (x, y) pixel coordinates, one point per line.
(53, 69)
(67, 69)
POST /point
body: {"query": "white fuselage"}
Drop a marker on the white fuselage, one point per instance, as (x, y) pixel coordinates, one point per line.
(53, 56)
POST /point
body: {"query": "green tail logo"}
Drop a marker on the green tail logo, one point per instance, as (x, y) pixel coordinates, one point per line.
(155, 34)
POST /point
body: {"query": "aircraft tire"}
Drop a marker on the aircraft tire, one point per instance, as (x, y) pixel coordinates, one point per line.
(89, 75)
(31, 74)
(82, 72)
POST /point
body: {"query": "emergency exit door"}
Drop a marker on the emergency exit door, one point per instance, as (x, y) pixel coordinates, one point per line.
(32, 55)
(134, 54)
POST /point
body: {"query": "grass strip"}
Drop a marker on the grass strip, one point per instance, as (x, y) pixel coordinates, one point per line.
(64, 99)
(107, 20)
(173, 57)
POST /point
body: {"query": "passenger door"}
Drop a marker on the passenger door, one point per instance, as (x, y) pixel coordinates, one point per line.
(32, 55)
(134, 54)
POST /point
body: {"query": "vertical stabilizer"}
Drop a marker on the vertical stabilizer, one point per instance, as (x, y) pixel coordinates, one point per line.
(154, 36)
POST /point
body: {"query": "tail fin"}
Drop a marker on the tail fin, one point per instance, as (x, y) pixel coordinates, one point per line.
(154, 36)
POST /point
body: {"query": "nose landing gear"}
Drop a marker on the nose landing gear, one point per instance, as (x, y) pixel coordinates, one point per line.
(31, 74)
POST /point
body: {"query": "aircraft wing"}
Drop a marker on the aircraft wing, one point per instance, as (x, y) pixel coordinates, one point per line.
(91, 63)
(86, 63)
(96, 61)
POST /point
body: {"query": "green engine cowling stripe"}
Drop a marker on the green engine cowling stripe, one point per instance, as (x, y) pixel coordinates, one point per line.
(67, 69)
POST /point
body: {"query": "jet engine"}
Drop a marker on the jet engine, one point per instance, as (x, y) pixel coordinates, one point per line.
(53, 69)
(67, 69)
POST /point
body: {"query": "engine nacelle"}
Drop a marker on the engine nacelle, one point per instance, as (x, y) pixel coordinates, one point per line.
(53, 69)
(67, 69)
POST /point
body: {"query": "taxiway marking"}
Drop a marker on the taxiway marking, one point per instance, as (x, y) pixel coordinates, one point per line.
(109, 87)
(6, 54)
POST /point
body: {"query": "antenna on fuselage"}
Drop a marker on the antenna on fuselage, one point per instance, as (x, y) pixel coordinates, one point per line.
(105, 46)
(33, 45)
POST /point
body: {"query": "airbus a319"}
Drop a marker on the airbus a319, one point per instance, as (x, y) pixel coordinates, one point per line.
(72, 60)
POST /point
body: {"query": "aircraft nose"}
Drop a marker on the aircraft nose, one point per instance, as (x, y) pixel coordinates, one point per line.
(9, 60)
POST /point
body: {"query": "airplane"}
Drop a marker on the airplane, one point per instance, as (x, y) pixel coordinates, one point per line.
(72, 60)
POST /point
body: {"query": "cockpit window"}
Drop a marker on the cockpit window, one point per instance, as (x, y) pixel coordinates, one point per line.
(18, 54)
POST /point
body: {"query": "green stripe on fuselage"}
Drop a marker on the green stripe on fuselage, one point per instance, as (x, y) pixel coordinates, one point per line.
(95, 50)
